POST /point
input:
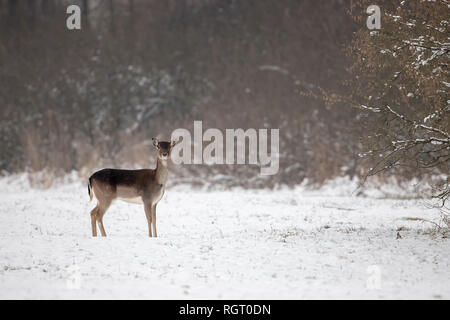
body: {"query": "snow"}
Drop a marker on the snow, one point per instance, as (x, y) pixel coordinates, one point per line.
(239, 244)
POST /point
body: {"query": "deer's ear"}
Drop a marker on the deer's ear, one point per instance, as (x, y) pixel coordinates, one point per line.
(155, 142)
(174, 143)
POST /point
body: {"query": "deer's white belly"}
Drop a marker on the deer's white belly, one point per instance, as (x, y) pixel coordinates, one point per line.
(135, 200)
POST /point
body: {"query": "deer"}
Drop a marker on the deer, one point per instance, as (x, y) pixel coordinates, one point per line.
(142, 186)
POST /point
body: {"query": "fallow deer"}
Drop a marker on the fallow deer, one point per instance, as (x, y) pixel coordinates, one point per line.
(144, 186)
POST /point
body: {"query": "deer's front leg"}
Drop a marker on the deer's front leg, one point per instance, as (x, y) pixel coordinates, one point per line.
(148, 214)
(154, 219)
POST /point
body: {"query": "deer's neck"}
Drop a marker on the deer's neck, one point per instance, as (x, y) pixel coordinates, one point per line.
(161, 171)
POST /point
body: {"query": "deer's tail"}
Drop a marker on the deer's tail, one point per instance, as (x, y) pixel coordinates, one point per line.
(90, 191)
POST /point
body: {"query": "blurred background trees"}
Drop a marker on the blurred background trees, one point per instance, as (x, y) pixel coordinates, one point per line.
(87, 99)
(400, 82)
(405, 66)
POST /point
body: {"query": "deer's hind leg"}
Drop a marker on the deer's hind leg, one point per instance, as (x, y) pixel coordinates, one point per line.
(102, 207)
(94, 220)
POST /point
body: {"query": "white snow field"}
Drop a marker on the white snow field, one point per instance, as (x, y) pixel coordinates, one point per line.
(240, 244)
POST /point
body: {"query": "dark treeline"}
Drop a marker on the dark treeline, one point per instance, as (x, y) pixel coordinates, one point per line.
(91, 98)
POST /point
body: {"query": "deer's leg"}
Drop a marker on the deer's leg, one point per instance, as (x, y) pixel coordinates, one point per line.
(100, 213)
(154, 219)
(94, 221)
(148, 214)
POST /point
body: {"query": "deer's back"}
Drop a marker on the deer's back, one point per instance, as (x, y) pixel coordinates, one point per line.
(121, 183)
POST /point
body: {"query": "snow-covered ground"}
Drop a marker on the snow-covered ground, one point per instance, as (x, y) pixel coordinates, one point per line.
(284, 244)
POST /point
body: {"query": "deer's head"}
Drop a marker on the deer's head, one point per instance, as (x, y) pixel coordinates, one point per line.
(164, 148)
